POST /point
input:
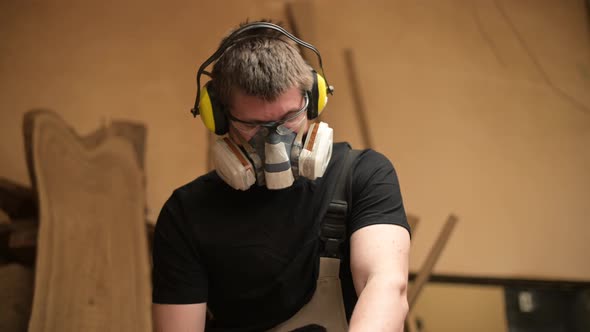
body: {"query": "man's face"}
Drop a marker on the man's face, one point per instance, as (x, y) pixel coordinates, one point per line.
(252, 109)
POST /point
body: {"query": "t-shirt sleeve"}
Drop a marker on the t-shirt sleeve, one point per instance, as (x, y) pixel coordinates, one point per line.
(178, 274)
(376, 195)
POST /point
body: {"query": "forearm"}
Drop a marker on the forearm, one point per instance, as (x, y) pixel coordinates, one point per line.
(382, 306)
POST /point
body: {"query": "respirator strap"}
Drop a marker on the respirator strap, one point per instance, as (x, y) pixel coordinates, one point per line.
(333, 231)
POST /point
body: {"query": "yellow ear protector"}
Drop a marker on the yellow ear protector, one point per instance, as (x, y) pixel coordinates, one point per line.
(212, 113)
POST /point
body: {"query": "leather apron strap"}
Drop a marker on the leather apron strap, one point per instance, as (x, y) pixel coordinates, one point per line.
(326, 307)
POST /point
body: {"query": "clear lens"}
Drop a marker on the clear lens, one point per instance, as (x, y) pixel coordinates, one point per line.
(283, 127)
(291, 125)
(245, 127)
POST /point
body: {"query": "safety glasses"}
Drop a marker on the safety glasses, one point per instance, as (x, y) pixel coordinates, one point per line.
(286, 125)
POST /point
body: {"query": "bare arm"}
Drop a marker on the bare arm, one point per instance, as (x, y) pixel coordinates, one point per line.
(379, 264)
(179, 317)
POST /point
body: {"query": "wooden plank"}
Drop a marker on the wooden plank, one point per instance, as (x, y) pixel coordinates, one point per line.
(413, 221)
(360, 110)
(17, 200)
(4, 217)
(300, 22)
(92, 268)
(18, 241)
(426, 269)
(23, 233)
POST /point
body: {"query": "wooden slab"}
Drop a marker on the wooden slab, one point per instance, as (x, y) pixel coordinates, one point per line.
(92, 270)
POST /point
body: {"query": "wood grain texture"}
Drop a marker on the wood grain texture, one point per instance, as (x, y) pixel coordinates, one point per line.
(92, 262)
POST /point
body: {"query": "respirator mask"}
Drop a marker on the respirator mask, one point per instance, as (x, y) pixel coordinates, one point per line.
(276, 155)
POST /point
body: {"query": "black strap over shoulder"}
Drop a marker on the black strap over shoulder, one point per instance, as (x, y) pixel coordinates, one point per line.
(333, 229)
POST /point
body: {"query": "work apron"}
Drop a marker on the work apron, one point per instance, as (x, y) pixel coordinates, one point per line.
(326, 307)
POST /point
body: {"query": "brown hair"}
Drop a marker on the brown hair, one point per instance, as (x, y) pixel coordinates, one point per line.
(262, 63)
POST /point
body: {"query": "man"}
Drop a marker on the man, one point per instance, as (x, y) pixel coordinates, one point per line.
(238, 249)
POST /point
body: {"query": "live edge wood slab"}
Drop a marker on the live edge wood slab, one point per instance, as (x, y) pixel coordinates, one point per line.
(92, 265)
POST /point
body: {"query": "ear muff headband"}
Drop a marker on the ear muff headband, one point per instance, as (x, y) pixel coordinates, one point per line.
(231, 40)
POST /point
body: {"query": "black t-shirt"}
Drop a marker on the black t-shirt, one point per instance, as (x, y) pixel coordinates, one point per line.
(253, 255)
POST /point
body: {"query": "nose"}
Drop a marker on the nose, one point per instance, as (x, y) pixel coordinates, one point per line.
(247, 135)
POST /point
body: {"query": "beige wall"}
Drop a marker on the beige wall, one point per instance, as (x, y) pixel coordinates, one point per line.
(483, 106)
(461, 308)
(93, 61)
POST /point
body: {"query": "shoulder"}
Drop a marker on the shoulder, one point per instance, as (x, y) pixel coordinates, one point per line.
(365, 159)
(372, 165)
(369, 158)
(191, 195)
(184, 208)
(375, 192)
(367, 164)
(197, 189)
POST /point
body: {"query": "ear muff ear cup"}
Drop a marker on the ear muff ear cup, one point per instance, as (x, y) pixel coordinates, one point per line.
(211, 112)
(318, 97)
(322, 95)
